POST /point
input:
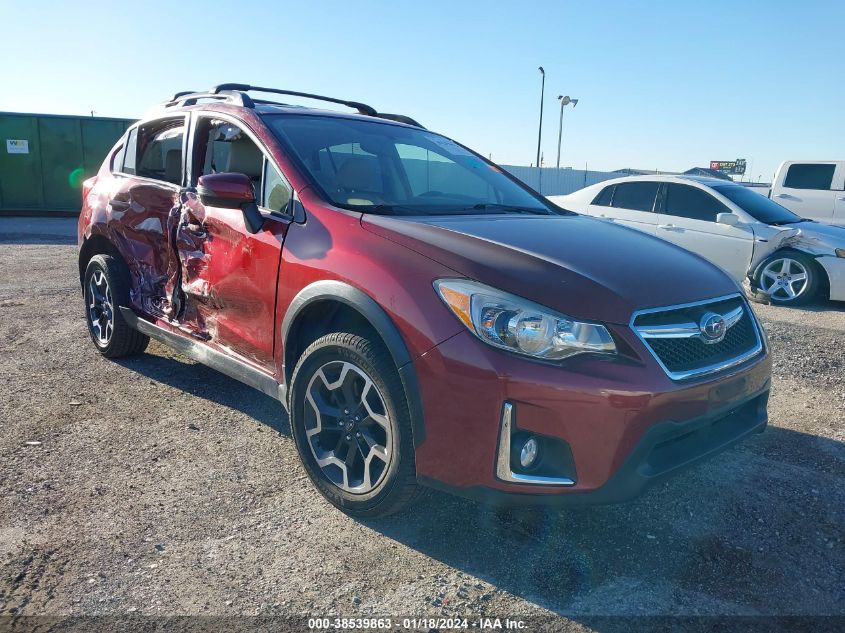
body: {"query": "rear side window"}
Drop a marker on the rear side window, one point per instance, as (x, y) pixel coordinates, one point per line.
(637, 196)
(604, 198)
(809, 176)
(160, 149)
(131, 152)
(117, 159)
(684, 201)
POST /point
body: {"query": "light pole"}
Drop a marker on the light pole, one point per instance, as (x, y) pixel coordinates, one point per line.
(540, 130)
(564, 101)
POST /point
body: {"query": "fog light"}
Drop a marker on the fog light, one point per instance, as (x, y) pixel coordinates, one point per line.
(529, 452)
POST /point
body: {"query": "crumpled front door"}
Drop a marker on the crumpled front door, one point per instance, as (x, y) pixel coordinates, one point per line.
(228, 279)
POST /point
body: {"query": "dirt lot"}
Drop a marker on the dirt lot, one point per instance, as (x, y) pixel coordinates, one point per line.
(161, 487)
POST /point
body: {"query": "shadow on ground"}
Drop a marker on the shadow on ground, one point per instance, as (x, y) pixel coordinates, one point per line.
(210, 385)
(756, 530)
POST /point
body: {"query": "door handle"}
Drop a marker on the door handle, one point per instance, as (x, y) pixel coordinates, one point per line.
(668, 227)
(784, 196)
(841, 198)
(118, 204)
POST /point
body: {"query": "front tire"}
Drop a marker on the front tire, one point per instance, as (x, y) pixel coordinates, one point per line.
(789, 278)
(352, 426)
(106, 287)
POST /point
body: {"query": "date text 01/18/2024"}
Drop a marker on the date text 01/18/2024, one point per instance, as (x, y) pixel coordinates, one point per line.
(411, 624)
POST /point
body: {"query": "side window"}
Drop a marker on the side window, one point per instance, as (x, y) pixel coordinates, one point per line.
(226, 148)
(276, 190)
(223, 147)
(693, 203)
(604, 198)
(117, 159)
(809, 176)
(637, 196)
(131, 152)
(160, 148)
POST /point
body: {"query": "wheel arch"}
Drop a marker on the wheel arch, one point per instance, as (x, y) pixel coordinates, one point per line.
(95, 245)
(322, 307)
(823, 289)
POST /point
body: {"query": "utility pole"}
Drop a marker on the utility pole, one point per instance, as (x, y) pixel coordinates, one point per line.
(540, 130)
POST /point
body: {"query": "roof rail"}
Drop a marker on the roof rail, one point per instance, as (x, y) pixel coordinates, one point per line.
(189, 98)
(236, 94)
(401, 118)
(363, 108)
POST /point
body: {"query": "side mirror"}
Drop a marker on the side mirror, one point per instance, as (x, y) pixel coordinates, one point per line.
(231, 191)
(730, 219)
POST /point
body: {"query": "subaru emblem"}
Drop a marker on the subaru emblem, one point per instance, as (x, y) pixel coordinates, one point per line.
(712, 328)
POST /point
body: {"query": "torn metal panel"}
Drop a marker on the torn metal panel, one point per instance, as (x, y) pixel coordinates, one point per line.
(763, 247)
(197, 314)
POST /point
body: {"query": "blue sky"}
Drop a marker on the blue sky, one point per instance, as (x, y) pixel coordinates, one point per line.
(662, 85)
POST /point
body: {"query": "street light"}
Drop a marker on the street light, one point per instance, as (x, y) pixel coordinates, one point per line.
(564, 101)
(540, 130)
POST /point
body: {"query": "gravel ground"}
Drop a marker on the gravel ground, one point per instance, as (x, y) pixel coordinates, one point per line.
(156, 486)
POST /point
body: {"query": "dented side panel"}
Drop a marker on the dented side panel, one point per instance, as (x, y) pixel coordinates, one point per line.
(144, 233)
(136, 217)
(768, 240)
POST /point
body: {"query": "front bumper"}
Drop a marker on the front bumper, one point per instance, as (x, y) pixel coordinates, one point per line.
(664, 450)
(626, 423)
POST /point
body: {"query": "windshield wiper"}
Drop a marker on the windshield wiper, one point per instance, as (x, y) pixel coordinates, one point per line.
(382, 209)
(508, 208)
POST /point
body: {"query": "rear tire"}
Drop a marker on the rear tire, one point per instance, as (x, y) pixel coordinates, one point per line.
(351, 424)
(106, 287)
(789, 278)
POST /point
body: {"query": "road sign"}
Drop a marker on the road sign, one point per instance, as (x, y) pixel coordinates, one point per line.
(732, 167)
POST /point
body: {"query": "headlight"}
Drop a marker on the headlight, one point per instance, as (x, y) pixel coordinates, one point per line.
(840, 252)
(510, 322)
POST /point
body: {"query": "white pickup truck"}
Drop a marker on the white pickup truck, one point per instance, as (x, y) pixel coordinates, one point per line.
(812, 189)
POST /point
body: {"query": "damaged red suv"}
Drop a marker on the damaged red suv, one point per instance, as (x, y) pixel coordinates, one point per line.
(425, 318)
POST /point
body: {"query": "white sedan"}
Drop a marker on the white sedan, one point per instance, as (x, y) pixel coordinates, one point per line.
(788, 258)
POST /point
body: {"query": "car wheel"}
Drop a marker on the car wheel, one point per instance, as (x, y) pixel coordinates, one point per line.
(789, 278)
(351, 424)
(106, 286)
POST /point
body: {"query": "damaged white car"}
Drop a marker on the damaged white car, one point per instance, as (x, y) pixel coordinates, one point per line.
(785, 258)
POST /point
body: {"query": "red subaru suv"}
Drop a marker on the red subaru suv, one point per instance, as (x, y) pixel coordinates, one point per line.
(425, 318)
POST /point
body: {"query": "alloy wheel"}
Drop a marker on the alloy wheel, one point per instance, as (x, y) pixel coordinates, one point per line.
(784, 279)
(100, 308)
(347, 427)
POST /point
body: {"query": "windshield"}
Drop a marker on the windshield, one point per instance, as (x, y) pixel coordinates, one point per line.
(758, 206)
(382, 168)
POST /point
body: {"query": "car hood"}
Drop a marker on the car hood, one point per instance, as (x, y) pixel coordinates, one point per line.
(580, 266)
(825, 235)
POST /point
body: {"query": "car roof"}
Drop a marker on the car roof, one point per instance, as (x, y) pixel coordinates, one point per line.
(262, 110)
(679, 178)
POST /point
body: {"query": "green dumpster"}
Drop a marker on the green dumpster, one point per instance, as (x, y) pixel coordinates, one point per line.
(44, 159)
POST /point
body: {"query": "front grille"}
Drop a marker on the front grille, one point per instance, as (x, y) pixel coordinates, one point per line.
(674, 337)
